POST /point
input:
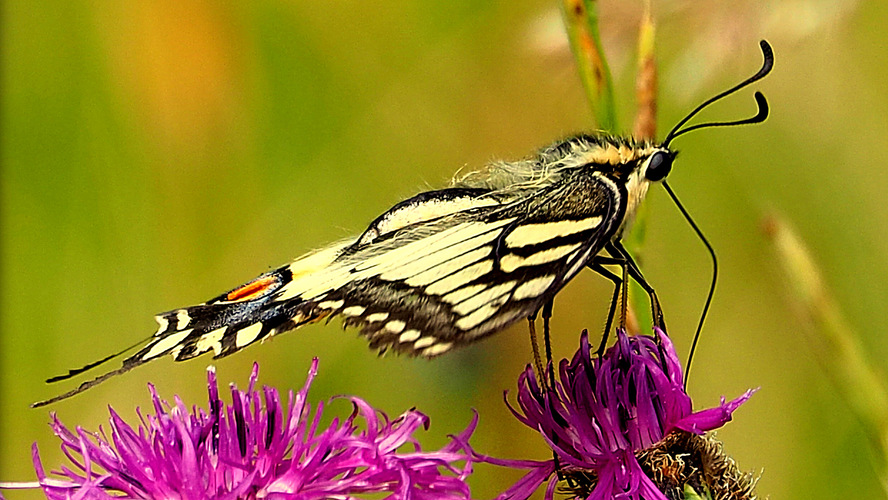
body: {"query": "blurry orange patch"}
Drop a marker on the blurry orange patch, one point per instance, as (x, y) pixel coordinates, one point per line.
(176, 63)
(253, 289)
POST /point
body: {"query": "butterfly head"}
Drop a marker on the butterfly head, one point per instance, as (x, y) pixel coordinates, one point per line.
(658, 165)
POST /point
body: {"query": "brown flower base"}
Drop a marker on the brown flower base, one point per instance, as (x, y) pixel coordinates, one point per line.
(681, 460)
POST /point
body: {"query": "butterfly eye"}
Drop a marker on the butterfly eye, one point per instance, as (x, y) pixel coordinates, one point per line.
(659, 166)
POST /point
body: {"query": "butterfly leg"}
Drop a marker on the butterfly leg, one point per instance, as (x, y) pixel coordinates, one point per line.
(597, 265)
(616, 250)
(537, 362)
(547, 314)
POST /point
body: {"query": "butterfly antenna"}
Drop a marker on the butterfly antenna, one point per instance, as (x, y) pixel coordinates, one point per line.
(709, 296)
(760, 100)
(677, 130)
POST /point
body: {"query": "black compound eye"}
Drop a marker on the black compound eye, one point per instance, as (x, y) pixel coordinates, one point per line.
(659, 166)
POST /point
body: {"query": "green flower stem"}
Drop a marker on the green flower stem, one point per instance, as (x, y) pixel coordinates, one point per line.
(836, 344)
(645, 128)
(581, 22)
(646, 83)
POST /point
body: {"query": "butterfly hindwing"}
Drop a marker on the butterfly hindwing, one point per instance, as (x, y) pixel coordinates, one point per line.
(222, 325)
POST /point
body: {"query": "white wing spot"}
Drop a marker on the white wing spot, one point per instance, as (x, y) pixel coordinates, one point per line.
(375, 317)
(395, 326)
(354, 310)
(163, 322)
(331, 304)
(533, 234)
(533, 288)
(409, 336)
(512, 262)
(423, 343)
(211, 340)
(165, 344)
(182, 319)
(437, 349)
(247, 335)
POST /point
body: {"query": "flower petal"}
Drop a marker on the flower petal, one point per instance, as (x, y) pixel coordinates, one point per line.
(713, 418)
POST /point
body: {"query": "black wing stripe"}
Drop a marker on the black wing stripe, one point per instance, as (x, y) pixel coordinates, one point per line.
(397, 263)
(422, 254)
(546, 232)
(512, 262)
(489, 295)
(442, 268)
(426, 207)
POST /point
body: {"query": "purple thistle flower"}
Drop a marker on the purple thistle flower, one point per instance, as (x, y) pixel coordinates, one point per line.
(252, 448)
(604, 411)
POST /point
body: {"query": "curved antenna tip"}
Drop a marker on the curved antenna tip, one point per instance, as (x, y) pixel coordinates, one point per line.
(768, 54)
(764, 109)
(767, 65)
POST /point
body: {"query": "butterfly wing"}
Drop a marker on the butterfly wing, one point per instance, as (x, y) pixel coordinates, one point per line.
(479, 273)
(439, 270)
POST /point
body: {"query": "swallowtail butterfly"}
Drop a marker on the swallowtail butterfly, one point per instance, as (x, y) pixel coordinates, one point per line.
(446, 268)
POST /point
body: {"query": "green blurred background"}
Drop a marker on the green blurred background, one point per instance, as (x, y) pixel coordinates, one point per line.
(158, 153)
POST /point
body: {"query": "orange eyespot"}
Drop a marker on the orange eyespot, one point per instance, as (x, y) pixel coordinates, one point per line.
(254, 289)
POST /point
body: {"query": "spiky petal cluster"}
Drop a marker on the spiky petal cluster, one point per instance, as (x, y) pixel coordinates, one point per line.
(252, 448)
(606, 409)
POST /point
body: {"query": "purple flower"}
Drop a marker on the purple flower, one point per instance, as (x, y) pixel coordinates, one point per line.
(604, 411)
(252, 448)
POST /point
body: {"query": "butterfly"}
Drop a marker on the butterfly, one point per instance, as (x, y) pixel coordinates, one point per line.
(449, 267)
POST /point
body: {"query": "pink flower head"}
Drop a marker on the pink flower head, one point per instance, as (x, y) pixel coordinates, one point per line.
(253, 448)
(606, 409)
